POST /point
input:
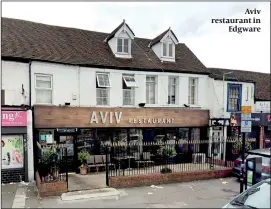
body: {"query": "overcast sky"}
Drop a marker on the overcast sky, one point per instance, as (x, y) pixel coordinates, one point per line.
(191, 22)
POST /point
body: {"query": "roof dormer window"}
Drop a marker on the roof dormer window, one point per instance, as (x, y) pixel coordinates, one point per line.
(167, 50)
(164, 46)
(120, 41)
(123, 45)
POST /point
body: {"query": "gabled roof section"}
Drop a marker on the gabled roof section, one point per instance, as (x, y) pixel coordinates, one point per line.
(161, 36)
(261, 80)
(25, 40)
(112, 34)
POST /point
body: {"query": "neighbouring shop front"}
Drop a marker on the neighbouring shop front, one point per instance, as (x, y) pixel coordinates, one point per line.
(13, 143)
(261, 129)
(92, 128)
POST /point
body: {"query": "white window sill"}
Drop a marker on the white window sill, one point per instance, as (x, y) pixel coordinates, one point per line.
(168, 59)
(171, 105)
(127, 56)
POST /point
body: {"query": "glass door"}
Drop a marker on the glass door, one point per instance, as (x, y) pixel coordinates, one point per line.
(68, 140)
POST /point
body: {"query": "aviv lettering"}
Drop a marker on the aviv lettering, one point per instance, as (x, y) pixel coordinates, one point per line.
(104, 117)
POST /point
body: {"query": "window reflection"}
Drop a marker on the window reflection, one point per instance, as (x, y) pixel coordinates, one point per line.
(120, 136)
(195, 136)
(103, 139)
(182, 139)
(136, 140)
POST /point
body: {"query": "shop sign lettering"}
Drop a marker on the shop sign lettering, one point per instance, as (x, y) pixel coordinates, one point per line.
(103, 117)
(115, 117)
(151, 120)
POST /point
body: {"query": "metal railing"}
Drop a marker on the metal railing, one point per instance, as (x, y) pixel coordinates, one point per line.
(52, 163)
(126, 159)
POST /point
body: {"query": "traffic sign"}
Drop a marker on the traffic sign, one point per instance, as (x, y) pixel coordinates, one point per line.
(246, 123)
(246, 109)
(246, 126)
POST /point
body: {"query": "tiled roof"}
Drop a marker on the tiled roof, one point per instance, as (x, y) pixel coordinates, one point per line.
(261, 80)
(25, 40)
(28, 40)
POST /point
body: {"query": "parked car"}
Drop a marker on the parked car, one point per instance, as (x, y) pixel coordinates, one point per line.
(264, 153)
(257, 196)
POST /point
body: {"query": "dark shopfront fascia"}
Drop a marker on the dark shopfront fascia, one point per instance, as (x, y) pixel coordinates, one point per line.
(92, 128)
(14, 145)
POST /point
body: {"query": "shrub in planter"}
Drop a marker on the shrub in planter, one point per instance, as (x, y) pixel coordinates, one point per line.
(167, 152)
(83, 157)
(166, 170)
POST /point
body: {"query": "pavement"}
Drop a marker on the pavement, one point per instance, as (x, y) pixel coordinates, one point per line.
(199, 194)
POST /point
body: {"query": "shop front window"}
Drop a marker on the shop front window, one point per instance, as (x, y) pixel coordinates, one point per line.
(103, 139)
(12, 151)
(182, 140)
(195, 138)
(86, 141)
(120, 136)
(136, 140)
(267, 137)
(46, 136)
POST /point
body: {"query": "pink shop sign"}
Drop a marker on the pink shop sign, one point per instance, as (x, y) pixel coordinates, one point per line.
(14, 118)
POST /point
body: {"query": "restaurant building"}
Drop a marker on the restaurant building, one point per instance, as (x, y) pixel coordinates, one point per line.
(14, 145)
(94, 127)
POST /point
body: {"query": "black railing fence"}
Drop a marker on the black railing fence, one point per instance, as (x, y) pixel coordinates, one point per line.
(52, 163)
(124, 159)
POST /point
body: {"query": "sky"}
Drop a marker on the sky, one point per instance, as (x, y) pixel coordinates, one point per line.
(212, 43)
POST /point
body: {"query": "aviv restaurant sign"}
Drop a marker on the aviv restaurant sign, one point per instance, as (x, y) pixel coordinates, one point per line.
(94, 117)
(115, 117)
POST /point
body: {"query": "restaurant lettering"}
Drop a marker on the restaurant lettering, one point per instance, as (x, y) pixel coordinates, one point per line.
(115, 117)
(151, 120)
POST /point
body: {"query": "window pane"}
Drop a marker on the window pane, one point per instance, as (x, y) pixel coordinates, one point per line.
(119, 45)
(43, 78)
(43, 96)
(164, 49)
(103, 80)
(125, 42)
(125, 48)
(170, 50)
(43, 84)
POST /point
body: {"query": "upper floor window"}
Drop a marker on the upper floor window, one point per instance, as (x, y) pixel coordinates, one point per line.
(192, 91)
(128, 88)
(167, 50)
(150, 89)
(44, 88)
(172, 90)
(123, 45)
(234, 97)
(102, 88)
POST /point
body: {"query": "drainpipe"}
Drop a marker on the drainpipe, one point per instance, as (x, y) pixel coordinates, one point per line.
(30, 131)
(30, 84)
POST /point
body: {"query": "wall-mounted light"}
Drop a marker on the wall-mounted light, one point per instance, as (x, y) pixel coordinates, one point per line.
(141, 104)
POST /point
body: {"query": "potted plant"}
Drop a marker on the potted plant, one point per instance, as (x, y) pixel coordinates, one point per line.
(83, 157)
(168, 152)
